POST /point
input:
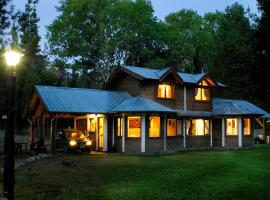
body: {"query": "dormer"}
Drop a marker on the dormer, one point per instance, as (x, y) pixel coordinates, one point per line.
(203, 89)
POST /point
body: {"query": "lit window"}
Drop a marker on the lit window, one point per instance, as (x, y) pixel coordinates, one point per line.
(204, 83)
(119, 127)
(202, 94)
(154, 127)
(134, 127)
(92, 125)
(165, 91)
(171, 127)
(197, 127)
(232, 126)
(247, 126)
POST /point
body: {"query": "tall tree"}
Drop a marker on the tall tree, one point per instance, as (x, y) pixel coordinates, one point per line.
(261, 70)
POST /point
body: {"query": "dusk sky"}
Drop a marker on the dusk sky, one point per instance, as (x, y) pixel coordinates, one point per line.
(47, 11)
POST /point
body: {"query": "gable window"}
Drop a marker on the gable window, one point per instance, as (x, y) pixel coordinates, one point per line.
(247, 126)
(202, 94)
(197, 127)
(154, 127)
(119, 126)
(232, 126)
(165, 91)
(171, 127)
(134, 127)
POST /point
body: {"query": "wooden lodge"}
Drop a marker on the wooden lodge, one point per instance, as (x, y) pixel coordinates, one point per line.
(145, 110)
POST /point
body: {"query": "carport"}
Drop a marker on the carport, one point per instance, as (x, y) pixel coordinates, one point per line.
(55, 108)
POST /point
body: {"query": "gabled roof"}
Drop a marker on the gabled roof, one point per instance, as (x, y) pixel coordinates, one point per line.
(141, 104)
(157, 74)
(222, 107)
(79, 100)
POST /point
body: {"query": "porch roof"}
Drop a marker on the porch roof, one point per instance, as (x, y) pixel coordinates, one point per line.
(141, 104)
(79, 100)
(189, 113)
(223, 107)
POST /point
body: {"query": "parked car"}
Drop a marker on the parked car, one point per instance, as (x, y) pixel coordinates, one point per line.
(72, 140)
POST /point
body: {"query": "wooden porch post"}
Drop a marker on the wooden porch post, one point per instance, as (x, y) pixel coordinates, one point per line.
(185, 98)
(143, 134)
(123, 132)
(105, 133)
(240, 132)
(113, 132)
(52, 138)
(165, 133)
(223, 132)
(264, 130)
(184, 133)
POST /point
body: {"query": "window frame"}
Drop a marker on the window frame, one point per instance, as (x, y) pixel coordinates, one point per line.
(201, 89)
(176, 128)
(136, 137)
(204, 120)
(236, 124)
(153, 137)
(250, 126)
(172, 91)
(119, 131)
(92, 124)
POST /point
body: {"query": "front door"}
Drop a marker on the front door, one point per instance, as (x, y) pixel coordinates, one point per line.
(100, 132)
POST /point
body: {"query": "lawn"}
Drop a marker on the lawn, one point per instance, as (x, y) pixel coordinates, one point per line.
(235, 174)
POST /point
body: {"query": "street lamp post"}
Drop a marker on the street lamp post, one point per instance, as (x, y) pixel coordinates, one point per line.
(12, 59)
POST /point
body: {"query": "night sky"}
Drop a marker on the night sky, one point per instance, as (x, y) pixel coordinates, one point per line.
(47, 12)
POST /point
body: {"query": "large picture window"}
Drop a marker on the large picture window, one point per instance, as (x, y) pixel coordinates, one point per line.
(232, 126)
(165, 91)
(154, 127)
(134, 127)
(171, 127)
(197, 127)
(119, 126)
(247, 126)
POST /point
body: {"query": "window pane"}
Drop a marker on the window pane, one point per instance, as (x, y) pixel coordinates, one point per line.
(92, 125)
(171, 127)
(161, 91)
(247, 126)
(168, 91)
(188, 127)
(134, 126)
(179, 127)
(232, 126)
(198, 127)
(205, 94)
(154, 127)
(206, 127)
(198, 94)
(119, 126)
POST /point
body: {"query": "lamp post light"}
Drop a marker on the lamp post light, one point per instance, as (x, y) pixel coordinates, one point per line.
(12, 59)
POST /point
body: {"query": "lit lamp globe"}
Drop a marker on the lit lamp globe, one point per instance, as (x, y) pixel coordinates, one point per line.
(12, 58)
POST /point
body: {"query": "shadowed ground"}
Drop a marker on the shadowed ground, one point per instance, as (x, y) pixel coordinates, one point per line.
(242, 174)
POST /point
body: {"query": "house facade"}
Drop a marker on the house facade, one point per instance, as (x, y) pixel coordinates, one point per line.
(145, 110)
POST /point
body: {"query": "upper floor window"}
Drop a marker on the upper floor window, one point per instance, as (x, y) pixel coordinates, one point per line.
(202, 94)
(165, 91)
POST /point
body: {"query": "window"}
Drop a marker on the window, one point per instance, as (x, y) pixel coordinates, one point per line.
(92, 125)
(197, 127)
(232, 126)
(171, 127)
(247, 126)
(154, 127)
(165, 91)
(134, 127)
(202, 94)
(119, 127)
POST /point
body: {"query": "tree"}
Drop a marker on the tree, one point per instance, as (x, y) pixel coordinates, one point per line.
(261, 69)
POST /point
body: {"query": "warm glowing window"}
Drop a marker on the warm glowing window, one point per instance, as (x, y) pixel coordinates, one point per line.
(247, 126)
(154, 127)
(171, 127)
(197, 127)
(232, 126)
(119, 127)
(165, 91)
(202, 94)
(134, 127)
(204, 83)
(92, 125)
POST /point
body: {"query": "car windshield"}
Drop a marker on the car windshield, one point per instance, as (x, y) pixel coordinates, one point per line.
(76, 135)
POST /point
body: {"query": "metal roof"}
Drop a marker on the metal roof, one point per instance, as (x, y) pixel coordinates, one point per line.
(189, 113)
(141, 104)
(157, 73)
(223, 107)
(79, 100)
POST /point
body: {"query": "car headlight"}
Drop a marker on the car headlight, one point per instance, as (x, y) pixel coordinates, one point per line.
(88, 143)
(72, 143)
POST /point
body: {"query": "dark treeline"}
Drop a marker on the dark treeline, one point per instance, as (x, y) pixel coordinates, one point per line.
(90, 38)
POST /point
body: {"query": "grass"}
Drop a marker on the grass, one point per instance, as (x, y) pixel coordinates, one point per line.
(242, 174)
